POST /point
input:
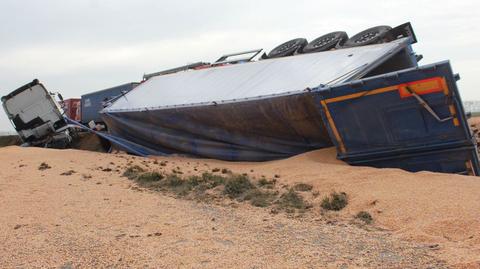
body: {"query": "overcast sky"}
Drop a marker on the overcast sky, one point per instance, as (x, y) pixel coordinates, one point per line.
(80, 46)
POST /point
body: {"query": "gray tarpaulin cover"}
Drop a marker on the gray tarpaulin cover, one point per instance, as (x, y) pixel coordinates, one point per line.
(253, 111)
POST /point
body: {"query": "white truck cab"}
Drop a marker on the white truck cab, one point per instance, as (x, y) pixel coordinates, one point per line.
(36, 116)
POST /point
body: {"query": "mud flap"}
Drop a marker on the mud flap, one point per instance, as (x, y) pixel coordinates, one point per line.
(412, 119)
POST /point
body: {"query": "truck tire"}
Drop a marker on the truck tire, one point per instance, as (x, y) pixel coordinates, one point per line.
(288, 48)
(326, 42)
(372, 35)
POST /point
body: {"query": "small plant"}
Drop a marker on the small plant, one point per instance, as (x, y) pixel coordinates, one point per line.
(44, 166)
(163, 163)
(364, 216)
(336, 201)
(214, 170)
(150, 177)
(302, 187)
(265, 183)
(194, 180)
(260, 198)
(172, 180)
(212, 180)
(237, 185)
(132, 172)
(291, 199)
(226, 171)
(179, 185)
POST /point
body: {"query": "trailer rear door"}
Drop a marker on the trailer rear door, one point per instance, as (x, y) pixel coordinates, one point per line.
(412, 119)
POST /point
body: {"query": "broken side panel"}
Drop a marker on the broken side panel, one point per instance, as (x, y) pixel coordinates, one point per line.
(411, 119)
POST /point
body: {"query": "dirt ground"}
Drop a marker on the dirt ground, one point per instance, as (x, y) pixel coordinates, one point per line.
(97, 218)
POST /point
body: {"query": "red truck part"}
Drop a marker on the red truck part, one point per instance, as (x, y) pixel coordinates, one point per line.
(72, 108)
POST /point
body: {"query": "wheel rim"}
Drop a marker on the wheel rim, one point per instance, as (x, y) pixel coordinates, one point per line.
(286, 47)
(324, 41)
(367, 37)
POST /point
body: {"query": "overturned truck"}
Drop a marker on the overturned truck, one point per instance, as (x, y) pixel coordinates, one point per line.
(373, 102)
(365, 95)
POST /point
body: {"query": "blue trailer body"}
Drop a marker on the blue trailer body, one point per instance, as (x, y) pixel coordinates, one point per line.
(379, 109)
(411, 119)
(92, 102)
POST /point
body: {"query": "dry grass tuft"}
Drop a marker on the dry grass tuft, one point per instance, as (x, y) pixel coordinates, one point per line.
(336, 201)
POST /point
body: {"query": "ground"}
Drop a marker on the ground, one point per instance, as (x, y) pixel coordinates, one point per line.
(94, 217)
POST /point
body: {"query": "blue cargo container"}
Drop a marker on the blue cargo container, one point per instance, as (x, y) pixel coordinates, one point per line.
(411, 119)
(93, 102)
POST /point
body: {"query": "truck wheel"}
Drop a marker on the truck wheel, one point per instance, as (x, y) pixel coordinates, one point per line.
(288, 48)
(326, 42)
(372, 35)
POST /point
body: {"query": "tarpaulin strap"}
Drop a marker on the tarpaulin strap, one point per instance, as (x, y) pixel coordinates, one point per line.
(120, 142)
(425, 105)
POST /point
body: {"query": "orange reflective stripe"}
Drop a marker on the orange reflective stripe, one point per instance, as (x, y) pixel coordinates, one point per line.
(453, 112)
(360, 94)
(334, 128)
(420, 87)
(424, 86)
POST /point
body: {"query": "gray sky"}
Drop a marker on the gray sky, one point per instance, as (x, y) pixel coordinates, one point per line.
(78, 46)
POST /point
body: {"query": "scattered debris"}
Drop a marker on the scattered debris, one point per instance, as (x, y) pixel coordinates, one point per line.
(177, 171)
(68, 173)
(44, 166)
(120, 236)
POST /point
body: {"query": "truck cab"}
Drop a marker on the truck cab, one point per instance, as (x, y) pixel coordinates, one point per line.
(36, 116)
